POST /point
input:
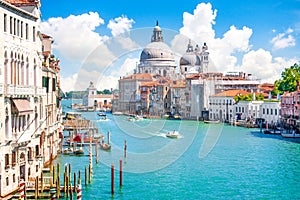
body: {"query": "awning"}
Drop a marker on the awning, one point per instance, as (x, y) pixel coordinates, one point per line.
(23, 106)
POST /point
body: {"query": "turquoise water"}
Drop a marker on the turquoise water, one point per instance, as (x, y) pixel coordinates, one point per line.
(207, 162)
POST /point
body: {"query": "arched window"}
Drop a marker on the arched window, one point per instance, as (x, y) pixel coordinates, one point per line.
(34, 72)
(22, 71)
(12, 71)
(27, 71)
(5, 67)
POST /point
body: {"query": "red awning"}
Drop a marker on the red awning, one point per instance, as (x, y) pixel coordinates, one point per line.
(23, 106)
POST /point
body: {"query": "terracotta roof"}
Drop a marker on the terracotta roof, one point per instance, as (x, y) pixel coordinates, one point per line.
(148, 84)
(46, 36)
(178, 84)
(194, 76)
(139, 76)
(231, 93)
(22, 2)
(103, 96)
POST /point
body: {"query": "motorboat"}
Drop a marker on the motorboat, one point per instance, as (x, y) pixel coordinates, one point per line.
(173, 134)
(101, 114)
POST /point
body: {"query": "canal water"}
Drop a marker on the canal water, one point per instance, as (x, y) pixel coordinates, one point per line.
(208, 161)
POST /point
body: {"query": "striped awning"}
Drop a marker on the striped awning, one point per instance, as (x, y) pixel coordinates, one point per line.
(23, 106)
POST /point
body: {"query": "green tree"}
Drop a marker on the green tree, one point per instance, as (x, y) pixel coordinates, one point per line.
(289, 79)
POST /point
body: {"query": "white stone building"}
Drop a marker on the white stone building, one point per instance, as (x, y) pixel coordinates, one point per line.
(96, 101)
(27, 110)
(221, 105)
(244, 110)
(269, 110)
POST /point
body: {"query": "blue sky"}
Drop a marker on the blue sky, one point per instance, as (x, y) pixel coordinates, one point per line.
(243, 35)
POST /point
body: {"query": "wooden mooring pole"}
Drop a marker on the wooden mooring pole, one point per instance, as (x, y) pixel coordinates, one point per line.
(121, 178)
(112, 179)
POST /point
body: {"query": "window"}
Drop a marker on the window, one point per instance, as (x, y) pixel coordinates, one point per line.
(275, 111)
(26, 31)
(14, 178)
(6, 160)
(18, 27)
(263, 111)
(7, 181)
(271, 111)
(267, 111)
(53, 84)
(46, 83)
(10, 25)
(13, 159)
(21, 29)
(37, 150)
(15, 24)
(5, 22)
(33, 33)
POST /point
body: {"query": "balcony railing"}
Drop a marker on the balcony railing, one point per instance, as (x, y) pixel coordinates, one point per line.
(1, 88)
(10, 89)
(19, 90)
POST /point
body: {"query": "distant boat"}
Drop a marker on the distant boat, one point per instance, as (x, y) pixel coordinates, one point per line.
(105, 146)
(130, 119)
(68, 151)
(79, 151)
(290, 135)
(173, 134)
(101, 114)
(138, 117)
(211, 121)
(117, 113)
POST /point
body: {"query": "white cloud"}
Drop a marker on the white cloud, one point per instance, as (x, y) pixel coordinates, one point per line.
(283, 40)
(199, 27)
(120, 25)
(262, 65)
(68, 83)
(74, 36)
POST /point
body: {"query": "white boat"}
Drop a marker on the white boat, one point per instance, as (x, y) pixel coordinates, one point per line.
(173, 134)
(211, 122)
(138, 117)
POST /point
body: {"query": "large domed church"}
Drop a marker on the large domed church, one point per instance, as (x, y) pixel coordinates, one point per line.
(157, 57)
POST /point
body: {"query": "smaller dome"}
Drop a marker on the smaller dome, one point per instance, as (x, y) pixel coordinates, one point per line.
(157, 28)
(191, 59)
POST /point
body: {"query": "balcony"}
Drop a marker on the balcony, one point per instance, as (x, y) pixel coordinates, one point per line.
(19, 90)
(1, 88)
(40, 91)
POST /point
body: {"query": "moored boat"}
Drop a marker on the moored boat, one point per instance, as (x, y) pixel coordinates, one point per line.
(68, 151)
(79, 151)
(211, 121)
(105, 146)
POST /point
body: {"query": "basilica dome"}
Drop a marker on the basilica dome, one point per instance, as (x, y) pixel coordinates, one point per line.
(157, 51)
(190, 59)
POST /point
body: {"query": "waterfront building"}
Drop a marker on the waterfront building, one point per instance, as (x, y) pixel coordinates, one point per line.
(194, 61)
(29, 103)
(270, 111)
(221, 105)
(290, 109)
(96, 101)
(129, 92)
(247, 110)
(157, 57)
(207, 84)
